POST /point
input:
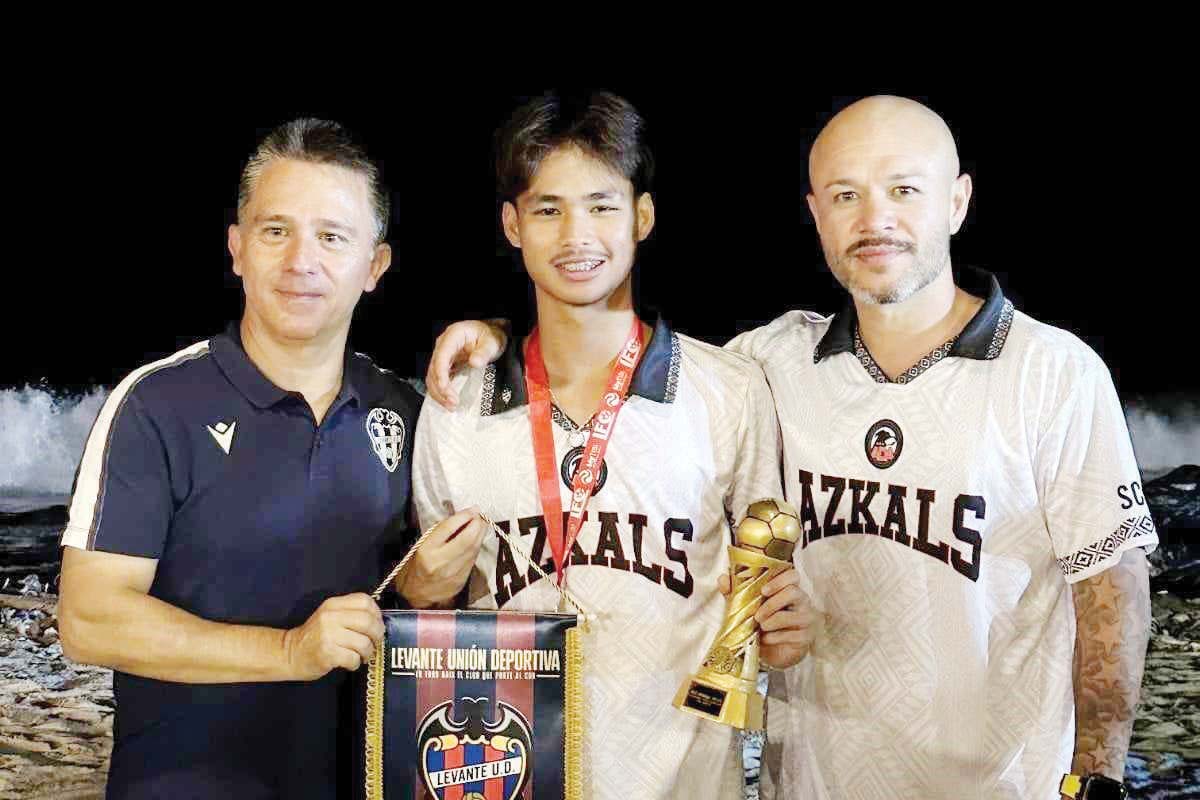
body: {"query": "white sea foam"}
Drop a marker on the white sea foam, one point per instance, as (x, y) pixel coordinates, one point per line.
(1163, 441)
(42, 437)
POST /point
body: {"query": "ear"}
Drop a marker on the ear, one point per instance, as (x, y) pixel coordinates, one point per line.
(645, 217)
(508, 218)
(960, 198)
(235, 248)
(379, 265)
(812, 209)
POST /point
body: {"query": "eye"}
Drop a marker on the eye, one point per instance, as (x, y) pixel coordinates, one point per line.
(546, 212)
(903, 191)
(604, 209)
(332, 238)
(274, 231)
(844, 197)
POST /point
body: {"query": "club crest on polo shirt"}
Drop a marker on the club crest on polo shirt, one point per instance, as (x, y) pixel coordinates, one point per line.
(385, 429)
(883, 444)
(469, 756)
(571, 463)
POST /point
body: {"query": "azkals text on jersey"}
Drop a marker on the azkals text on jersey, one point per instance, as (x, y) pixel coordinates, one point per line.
(624, 543)
(847, 509)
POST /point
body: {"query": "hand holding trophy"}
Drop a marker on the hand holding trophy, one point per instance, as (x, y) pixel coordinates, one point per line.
(726, 687)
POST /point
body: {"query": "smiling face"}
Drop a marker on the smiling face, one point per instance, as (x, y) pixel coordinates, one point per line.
(886, 197)
(577, 226)
(305, 249)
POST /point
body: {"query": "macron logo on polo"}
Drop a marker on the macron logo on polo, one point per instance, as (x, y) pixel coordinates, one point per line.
(223, 434)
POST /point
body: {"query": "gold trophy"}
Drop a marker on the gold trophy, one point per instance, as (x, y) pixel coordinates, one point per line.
(726, 687)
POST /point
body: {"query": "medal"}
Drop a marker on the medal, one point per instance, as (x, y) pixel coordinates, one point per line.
(594, 440)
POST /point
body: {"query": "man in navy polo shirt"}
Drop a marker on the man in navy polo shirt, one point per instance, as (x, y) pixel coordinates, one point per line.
(236, 500)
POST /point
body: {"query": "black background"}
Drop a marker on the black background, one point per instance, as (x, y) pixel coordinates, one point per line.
(135, 266)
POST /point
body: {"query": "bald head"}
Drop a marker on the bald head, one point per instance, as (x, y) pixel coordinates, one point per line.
(886, 197)
(873, 125)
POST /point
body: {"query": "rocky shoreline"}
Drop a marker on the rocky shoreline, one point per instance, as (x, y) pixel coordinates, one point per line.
(1166, 736)
(55, 715)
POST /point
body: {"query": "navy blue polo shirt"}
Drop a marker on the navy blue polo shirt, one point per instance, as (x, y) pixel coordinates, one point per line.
(256, 514)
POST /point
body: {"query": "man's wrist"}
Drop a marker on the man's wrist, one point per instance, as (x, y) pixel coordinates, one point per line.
(417, 599)
(286, 642)
(414, 599)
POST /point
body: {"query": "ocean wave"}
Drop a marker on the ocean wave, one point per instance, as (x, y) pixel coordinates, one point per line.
(42, 434)
(1164, 438)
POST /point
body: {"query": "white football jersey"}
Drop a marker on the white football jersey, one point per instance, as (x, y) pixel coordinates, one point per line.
(695, 444)
(945, 516)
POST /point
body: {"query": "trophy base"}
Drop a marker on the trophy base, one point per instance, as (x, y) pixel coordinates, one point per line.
(722, 698)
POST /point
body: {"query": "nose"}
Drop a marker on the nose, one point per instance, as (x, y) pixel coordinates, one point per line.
(302, 256)
(577, 230)
(876, 214)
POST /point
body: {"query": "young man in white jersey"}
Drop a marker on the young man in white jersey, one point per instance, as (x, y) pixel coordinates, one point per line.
(690, 441)
(973, 515)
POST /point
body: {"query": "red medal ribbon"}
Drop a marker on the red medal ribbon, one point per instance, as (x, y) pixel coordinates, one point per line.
(604, 422)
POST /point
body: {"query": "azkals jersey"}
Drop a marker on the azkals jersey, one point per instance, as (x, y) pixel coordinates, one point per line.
(694, 445)
(945, 516)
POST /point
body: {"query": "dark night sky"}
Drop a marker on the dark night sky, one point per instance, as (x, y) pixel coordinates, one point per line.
(138, 267)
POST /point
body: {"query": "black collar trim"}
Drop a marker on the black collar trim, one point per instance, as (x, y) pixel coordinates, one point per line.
(246, 377)
(983, 337)
(868, 361)
(656, 378)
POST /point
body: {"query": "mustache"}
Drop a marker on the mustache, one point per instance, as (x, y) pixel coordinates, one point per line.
(895, 244)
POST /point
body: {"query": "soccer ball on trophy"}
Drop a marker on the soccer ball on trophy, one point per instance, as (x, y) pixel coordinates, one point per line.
(770, 527)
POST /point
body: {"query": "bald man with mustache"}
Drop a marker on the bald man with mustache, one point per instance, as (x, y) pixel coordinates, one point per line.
(975, 530)
(980, 580)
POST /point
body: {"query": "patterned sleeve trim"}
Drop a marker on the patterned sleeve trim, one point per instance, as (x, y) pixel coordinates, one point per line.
(487, 398)
(1099, 552)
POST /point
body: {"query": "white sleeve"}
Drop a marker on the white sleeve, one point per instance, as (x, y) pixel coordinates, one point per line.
(743, 343)
(759, 342)
(431, 485)
(1088, 479)
(757, 472)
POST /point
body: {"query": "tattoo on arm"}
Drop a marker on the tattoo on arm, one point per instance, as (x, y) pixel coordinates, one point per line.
(1112, 616)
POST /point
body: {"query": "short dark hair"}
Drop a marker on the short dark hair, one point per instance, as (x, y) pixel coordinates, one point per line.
(317, 141)
(599, 123)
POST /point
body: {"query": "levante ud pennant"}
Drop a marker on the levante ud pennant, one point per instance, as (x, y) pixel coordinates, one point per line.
(473, 705)
(471, 757)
